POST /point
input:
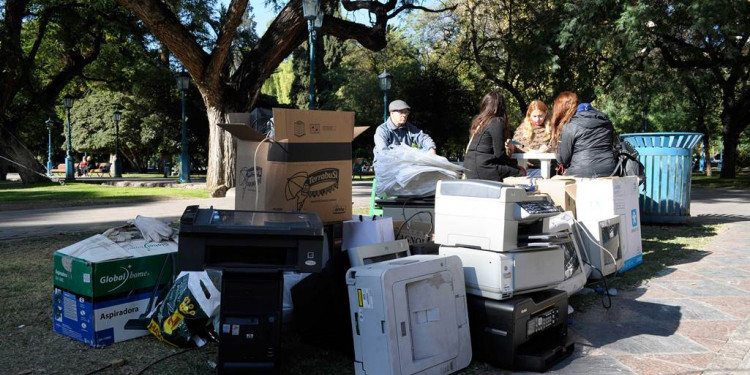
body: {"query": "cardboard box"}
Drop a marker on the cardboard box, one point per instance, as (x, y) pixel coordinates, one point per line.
(415, 232)
(99, 285)
(560, 189)
(308, 166)
(599, 197)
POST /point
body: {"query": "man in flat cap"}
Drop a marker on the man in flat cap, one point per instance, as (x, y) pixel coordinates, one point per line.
(397, 130)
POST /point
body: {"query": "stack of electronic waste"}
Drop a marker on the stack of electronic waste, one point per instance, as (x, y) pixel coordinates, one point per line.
(513, 251)
(408, 312)
(253, 249)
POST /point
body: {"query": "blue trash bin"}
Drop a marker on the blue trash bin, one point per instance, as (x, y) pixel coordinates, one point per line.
(668, 158)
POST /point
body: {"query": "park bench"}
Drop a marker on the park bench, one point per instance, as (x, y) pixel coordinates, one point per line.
(101, 169)
(61, 168)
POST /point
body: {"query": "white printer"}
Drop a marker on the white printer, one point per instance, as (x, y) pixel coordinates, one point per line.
(500, 232)
(487, 214)
(409, 316)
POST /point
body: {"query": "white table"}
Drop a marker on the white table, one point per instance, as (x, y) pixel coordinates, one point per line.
(545, 158)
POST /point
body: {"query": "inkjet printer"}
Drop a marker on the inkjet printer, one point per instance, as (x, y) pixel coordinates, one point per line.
(252, 249)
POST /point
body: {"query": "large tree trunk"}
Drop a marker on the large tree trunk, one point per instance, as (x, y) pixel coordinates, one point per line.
(733, 124)
(222, 153)
(21, 158)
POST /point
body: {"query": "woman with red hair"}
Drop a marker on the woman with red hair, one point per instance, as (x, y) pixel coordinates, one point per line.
(585, 137)
(488, 153)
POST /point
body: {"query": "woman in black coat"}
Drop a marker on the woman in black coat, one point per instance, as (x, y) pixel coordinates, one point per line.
(487, 156)
(586, 135)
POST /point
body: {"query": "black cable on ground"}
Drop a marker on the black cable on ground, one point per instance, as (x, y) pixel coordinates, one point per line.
(606, 287)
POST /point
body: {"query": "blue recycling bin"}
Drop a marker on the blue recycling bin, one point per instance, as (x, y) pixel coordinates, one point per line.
(668, 158)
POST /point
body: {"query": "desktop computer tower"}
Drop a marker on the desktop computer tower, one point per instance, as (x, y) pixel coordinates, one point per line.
(250, 321)
(527, 332)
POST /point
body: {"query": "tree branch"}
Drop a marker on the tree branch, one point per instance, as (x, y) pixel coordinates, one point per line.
(418, 7)
(224, 41)
(167, 27)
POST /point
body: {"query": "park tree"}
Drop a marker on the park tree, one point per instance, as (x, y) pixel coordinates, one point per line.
(225, 88)
(44, 45)
(711, 37)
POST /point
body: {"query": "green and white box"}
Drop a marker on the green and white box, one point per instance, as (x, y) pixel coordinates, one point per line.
(100, 285)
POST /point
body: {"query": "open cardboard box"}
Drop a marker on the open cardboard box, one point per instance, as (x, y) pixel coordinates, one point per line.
(306, 168)
(561, 189)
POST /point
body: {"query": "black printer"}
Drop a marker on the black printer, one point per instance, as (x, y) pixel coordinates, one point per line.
(252, 249)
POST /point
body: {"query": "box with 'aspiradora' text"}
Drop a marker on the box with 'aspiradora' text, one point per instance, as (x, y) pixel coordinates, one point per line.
(100, 285)
(303, 164)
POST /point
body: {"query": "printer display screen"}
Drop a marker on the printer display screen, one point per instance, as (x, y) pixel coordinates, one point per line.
(259, 219)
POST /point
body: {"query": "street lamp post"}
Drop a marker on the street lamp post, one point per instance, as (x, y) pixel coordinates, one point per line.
(117, 116)
(314, 17)
(183, 82)
(384, 81)
(69, 172)
(49, 123)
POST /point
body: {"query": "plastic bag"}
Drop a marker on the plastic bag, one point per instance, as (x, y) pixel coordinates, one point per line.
(405, 171)
(187, 310)
(152, 230)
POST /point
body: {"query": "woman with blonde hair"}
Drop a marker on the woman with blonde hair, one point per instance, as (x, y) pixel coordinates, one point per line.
(585, 136)
(535, 132)
(488, 153)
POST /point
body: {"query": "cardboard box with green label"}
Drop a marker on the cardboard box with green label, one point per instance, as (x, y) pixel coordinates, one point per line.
(100, 285)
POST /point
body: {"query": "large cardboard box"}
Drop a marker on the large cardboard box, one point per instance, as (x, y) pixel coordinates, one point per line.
(599, 197)
(307, 167)
(99, 285)
(560, 189)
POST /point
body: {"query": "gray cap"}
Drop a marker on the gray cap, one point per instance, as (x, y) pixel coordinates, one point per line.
(398, 105)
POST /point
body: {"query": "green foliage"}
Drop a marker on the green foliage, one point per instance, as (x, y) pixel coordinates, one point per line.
(280, 83)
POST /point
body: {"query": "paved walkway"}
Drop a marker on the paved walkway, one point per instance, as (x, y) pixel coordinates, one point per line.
(692, 318)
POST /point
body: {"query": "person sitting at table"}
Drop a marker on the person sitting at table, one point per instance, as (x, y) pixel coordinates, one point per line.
(535, 134)
(488, 153)
(585, 148)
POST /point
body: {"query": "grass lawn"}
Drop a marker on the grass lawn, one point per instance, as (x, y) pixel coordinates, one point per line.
(81, 191)
(742, 180)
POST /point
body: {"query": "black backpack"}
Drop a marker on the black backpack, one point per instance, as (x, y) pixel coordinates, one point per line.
(627, 162)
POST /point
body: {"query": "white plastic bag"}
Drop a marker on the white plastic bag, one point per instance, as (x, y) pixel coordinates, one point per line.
(405, 171)
(153, 230)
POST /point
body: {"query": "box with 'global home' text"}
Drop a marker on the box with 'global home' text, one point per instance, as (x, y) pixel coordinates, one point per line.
(100, 285)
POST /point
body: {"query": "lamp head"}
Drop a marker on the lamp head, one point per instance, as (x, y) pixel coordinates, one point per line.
(68, 101)
(117, 115)
(385, 80)
(183, 81)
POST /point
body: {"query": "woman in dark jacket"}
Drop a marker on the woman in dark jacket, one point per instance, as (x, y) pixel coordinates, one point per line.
(487, 156)
(585, 147)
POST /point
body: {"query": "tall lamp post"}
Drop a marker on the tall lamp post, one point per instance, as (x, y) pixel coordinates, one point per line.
(69, 172)
(314, 17)
(117, 116)
(49, 123)
(384, 81)
(183, 82)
